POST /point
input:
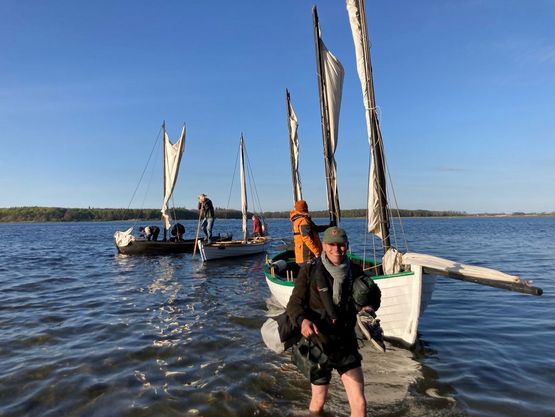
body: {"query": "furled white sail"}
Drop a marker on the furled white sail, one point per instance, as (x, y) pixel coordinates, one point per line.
(333, 77)
(294, 146)
(244, 203)
(172, 161)
(372, 127)
(124, 238)
(433, 264)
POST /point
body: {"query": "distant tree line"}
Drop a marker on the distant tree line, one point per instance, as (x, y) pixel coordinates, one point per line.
(362, 213)
(59, 214)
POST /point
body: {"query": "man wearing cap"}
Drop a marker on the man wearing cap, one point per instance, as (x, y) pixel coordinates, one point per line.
(322, 306)
(305, 233)
(206, 210)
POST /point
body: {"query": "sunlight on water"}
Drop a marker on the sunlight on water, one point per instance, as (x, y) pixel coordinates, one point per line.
(89, 332)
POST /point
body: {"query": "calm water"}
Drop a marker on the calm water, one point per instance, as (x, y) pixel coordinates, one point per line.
(87, 332)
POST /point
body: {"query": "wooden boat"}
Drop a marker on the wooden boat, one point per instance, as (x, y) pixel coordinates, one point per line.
(236, 248)
(128, 244)
(161, 247)
(406, 280)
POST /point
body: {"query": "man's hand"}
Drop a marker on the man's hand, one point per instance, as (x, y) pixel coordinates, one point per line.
(369, 310)
(308, 328)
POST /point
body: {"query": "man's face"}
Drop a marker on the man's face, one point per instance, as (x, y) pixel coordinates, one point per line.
(201, 199)
(336, 252)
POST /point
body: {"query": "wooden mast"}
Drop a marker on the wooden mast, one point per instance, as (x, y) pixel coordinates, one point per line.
(333, 201)
(376, 136)
(164, 174)
(244, 204)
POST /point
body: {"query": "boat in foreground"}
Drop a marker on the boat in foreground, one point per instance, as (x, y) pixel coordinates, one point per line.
(406, 280)
(405, 294)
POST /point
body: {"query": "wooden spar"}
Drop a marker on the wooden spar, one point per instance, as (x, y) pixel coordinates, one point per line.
(164, 173)
(333, 200)
(376, 137)
(520, 286)
(244, 203)
(294, 173)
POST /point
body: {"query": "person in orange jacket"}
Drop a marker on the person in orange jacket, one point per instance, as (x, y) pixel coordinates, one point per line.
(305, 234)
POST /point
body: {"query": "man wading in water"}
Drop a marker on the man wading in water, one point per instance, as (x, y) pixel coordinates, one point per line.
(323, 307)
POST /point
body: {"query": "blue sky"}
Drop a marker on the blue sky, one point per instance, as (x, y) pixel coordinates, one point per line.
(466, 91)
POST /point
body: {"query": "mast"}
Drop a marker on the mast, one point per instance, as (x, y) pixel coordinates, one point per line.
(333, 200)
(293, 148)
(357, 15)
(243, 188)
(164, 173)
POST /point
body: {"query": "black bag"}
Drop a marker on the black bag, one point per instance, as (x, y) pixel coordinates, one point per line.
(366, 292)
(309, 358)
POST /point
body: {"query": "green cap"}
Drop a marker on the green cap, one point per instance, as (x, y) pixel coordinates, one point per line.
(335, 234)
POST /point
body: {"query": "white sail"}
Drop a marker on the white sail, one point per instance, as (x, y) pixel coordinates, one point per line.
(172, 161)
(333, 73)
(333, 77)
(243, 188)
(294, 146)
(374, 136)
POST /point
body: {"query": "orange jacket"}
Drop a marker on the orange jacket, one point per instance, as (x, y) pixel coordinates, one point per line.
(305, 236)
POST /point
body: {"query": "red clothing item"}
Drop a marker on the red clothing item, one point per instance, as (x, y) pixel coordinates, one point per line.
(256, 226)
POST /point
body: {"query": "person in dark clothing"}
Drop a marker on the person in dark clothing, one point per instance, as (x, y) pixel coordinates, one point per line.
(305, 233)
(206, 209)
(322, 306)
(150, 232)
(177, 232)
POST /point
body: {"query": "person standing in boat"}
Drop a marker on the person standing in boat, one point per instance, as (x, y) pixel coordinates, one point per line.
(256, 226)
(305, 233)
(322, 306)
(206, 209)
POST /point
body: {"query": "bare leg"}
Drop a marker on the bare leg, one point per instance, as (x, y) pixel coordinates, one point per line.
(319, 394)
(353, 381)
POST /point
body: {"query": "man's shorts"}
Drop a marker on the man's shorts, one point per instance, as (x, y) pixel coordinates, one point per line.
(321, 375)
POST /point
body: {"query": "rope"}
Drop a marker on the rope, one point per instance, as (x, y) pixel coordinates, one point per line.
(154, 147)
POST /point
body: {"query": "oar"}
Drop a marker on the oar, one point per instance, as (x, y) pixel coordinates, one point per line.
(198, 231)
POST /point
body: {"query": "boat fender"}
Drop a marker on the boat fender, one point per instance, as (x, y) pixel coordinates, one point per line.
(279, 265)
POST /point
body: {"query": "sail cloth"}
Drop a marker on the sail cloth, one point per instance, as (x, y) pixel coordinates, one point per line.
(172, 161)
(433, 264)
(333, 74)
(374, 136)
(124, 238)
(294, 147)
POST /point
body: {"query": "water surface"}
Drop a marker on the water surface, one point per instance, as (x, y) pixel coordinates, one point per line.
(88, 332)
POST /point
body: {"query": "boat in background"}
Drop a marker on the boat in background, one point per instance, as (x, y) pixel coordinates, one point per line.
(406, 280)
(127, 244)
(236, 248)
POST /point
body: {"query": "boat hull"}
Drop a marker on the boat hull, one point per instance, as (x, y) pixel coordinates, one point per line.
(404, 298)
(232, 249)
(162, 247)
(156, 247)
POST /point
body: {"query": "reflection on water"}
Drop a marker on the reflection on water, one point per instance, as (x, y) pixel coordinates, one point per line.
(87, 332)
